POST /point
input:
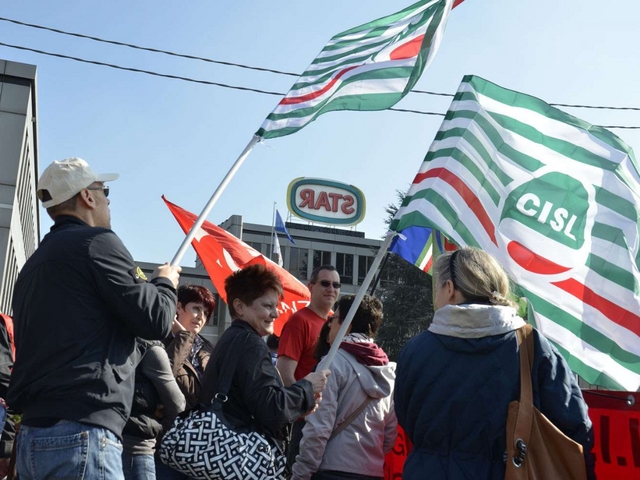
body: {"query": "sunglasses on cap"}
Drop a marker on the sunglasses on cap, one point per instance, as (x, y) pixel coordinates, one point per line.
(104, 188)
(327, 284)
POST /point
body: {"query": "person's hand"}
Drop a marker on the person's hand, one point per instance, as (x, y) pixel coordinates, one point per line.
(318, 380)
(176, 327)
(318, 398)
(170, 272)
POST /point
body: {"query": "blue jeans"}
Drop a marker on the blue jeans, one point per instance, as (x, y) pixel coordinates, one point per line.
(138, 467)
(70, 451)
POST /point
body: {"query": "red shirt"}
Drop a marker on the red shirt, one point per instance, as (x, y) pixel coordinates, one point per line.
(298, 340)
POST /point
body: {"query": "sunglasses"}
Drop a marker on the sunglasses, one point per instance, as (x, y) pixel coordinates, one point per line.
(104, 188)
(327, 284)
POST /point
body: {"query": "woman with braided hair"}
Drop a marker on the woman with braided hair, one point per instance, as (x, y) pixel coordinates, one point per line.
(455, 381)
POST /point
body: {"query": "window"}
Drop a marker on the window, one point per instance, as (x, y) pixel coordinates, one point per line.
(255, 245)
(215, 315)
(344, 265)
(321, 257)
(364, 264)
(298, 261)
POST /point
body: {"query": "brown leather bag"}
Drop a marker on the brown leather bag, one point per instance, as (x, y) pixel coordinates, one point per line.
(536, 449)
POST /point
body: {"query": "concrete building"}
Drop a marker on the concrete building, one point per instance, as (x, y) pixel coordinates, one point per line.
(349, 251)
(19, 212)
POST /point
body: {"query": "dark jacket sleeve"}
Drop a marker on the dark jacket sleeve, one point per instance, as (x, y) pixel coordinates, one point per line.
(560, 399)
(155, 365)
(271, 403)
(147, 308)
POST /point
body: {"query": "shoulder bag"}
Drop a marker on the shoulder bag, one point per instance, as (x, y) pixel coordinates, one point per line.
(536, 449)
(204, 445)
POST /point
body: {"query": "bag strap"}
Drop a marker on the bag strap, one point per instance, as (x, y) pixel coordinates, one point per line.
(351, 417)
(228, 369)
(524, 420)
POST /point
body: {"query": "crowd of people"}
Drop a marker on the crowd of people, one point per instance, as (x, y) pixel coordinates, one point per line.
(105, 360)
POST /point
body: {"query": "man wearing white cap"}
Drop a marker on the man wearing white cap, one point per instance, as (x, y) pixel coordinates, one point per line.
(79, 303)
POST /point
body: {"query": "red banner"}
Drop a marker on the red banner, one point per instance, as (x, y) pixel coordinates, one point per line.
(222, 254)
(394, 460)
(615, 417)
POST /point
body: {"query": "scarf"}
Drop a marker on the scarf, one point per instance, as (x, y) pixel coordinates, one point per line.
(366, 352)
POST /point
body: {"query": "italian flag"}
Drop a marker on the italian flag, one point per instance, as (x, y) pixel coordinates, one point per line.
(557, 202)
(370, 67)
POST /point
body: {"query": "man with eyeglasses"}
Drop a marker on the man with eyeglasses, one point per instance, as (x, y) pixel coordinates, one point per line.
(79, 303)
(300, 334)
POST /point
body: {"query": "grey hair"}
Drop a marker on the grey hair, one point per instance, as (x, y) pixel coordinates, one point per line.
(476, 275)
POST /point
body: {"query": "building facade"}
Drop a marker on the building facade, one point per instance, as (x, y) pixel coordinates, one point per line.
(19, 212)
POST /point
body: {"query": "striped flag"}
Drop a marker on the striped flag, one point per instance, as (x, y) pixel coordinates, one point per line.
(370, 67)
(557, 201)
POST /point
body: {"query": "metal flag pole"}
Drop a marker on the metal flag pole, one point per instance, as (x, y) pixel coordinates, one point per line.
(326, 361)
(435, 253)
(212, 201)
(273, 229)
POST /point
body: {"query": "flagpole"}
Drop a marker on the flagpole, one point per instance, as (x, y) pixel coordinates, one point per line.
(273, 223)
(435, 253)
(212, 201)
(326, 361)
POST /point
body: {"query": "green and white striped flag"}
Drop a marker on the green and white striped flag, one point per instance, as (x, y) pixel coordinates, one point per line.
(557, 201)
(370, 67)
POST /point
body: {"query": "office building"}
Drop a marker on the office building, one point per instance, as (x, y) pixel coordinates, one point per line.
(19, 212)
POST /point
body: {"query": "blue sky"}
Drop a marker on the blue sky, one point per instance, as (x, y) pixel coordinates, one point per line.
(179, 139)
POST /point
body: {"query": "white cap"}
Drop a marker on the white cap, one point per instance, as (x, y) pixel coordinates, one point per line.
(65, 178)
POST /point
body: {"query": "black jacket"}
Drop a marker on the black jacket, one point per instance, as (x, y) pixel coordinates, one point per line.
(79, 302)
(258, 400)
(143, 422)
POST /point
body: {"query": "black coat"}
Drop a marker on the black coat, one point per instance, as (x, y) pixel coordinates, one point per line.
(79, 303)
(258, 400)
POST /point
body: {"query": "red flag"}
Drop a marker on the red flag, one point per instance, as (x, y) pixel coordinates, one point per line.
(222, 254)
(395, 458)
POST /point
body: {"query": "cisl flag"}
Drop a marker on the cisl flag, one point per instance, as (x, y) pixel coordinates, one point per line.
(557, 201)
(222, 254)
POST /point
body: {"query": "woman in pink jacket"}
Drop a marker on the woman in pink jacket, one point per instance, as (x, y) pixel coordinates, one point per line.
(355, 424)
